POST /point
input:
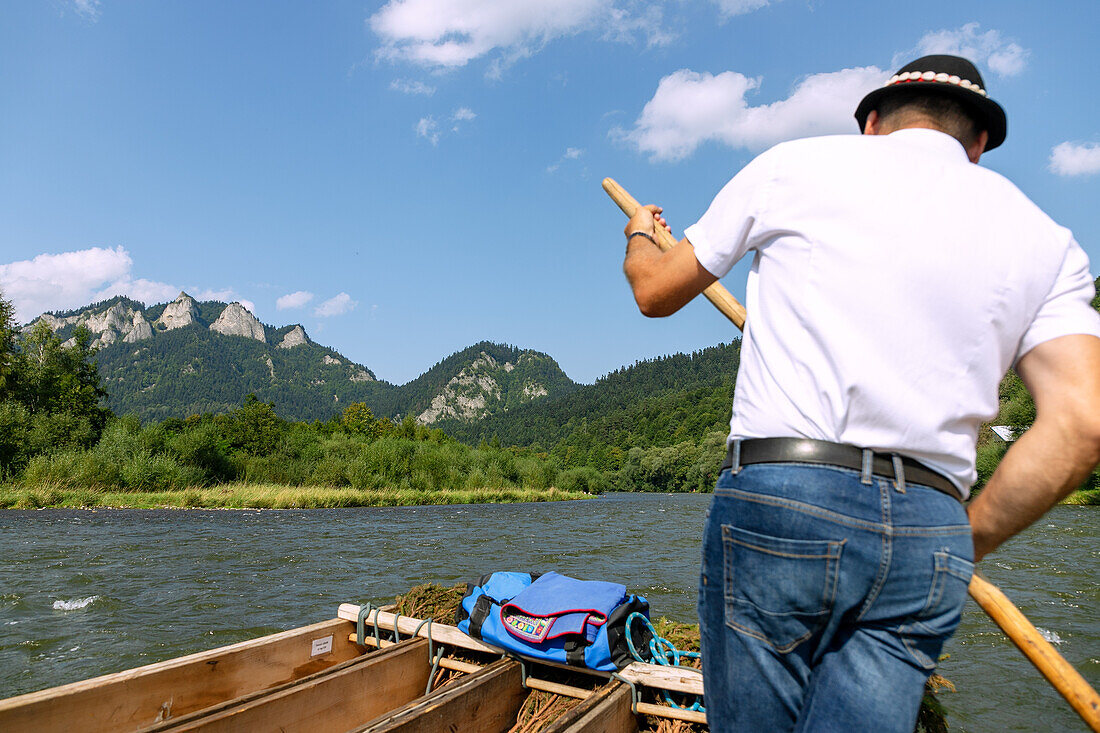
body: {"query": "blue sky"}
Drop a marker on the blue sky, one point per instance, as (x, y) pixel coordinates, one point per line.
(406, 178)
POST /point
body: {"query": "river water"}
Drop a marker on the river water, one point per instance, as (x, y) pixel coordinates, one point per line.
(84, 593)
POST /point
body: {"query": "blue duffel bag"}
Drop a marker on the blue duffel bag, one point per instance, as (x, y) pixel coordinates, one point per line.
(553, 617)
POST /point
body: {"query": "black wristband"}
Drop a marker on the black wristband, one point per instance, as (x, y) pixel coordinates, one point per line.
(640, 234)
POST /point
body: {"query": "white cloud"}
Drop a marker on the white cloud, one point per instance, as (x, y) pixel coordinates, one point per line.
(407, 86)
(570, 154)
(731, 8)
(447, 34)
(692, 108)
(88, 8)
(293, 300)
(61, 281)
(428, 129)
(335, 306)
(53, 282)
(1000, 55)
(1075, 159)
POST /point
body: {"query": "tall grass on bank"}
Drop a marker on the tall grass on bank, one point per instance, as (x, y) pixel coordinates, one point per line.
(267, 496)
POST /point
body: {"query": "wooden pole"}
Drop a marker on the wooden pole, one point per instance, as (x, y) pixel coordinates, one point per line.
(1052, 665)
(716, 293)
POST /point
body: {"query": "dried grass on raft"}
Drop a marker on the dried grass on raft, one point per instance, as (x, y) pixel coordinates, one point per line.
(540, 709)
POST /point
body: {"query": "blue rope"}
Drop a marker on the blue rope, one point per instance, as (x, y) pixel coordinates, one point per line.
(661, 651)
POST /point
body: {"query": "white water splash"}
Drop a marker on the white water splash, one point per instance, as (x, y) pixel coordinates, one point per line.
(75, 604)
(1051, 636)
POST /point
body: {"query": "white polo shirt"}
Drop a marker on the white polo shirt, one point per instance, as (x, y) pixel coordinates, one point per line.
(893, 284)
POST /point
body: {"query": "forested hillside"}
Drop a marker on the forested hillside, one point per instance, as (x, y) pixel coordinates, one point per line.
(191, 371)
(657, 425)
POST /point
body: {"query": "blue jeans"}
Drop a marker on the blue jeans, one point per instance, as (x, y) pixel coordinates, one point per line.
(825, 598)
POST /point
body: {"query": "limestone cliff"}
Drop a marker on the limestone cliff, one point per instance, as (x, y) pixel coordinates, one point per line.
(295, 337)
(177, 314)
(484, 386)
(235, 320)
(118, 321)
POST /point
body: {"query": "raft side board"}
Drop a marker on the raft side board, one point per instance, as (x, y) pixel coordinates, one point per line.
(181, 720)
(327, 703)
(676, 679)
(608, 709)
(140, 697)
(486, 701)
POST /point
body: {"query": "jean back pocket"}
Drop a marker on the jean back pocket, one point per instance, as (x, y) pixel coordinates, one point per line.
(778, 590)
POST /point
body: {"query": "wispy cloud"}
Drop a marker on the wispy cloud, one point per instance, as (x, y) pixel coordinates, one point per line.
(428, 129)
(297, 299)
(335, 306)
(569, 154)
(87, 8)
(988, 50)
(1075, 159)
(731, 8)
(407, 86)
(692, 108)
(448, 34)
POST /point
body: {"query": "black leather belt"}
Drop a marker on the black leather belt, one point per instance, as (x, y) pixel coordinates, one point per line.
(804, 450)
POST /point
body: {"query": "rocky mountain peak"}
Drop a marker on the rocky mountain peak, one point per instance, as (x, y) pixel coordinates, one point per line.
(235, 320)
(295, 337)
(486, 384)
(177, 314)
(119, 320)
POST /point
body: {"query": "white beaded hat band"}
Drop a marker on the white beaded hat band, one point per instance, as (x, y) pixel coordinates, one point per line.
(949, 75)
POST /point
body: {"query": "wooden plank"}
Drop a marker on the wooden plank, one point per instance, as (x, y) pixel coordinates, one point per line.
(675, 679)
(486, 701)
(330, 702)
(136, 698)
(644, 708)
(608, 709)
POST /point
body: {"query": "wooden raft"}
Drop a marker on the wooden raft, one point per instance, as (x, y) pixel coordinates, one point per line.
(317, 678)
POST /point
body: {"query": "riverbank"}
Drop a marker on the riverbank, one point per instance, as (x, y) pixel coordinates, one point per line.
(1084, 497)
(268, 496)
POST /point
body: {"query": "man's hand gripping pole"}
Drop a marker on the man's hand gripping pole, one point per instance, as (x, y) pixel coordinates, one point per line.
(715, 292)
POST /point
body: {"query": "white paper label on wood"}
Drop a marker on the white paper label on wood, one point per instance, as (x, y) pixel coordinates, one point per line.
(321, 646)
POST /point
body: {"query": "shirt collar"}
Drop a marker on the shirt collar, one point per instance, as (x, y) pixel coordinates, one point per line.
(932, 141)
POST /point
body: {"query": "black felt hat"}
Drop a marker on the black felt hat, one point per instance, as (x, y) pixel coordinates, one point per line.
(949, 75)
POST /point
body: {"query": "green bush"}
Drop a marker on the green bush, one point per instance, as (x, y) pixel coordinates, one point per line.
(329, 471)
(54, 430)
(13, 437)
(203, 448)
(986, 461)
(148, 472)
(121, 439)
(585, 479)
(71, 469)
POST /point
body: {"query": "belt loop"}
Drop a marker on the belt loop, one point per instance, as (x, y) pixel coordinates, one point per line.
(735, 456)
(899, 472)
(868, 464)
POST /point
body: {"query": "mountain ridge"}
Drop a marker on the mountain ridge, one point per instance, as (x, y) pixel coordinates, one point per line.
(188, 357)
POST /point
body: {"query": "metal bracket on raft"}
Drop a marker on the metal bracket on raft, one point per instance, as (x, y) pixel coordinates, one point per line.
(633, 691)
(434, 656)
(360, 629)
